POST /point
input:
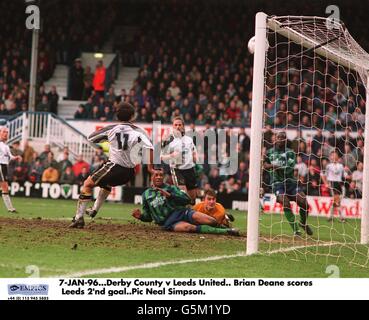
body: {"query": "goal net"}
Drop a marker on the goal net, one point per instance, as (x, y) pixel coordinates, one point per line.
(309, 100)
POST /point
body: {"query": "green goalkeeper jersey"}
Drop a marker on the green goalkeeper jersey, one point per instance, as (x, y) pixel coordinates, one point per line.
(286, 159)
(158, 208)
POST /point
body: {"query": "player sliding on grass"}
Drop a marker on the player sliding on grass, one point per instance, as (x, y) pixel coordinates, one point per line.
(126, 140)
(212, 208)
(166, 206)
(280, 161)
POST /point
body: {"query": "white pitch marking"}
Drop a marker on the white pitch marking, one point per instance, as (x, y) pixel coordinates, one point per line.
(178, 262)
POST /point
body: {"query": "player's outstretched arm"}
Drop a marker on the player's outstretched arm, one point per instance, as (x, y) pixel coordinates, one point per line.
(145, 215)
(100, 135)
(136, 213)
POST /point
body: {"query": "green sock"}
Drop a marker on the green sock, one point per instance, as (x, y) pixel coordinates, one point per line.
(212, 230)
(291, 219)
(303, 216)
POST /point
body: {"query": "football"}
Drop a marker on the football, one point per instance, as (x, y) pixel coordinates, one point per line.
(251, 45)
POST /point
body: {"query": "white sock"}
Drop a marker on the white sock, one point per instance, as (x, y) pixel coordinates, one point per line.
(7, 202)
(102, 196)
(81, 207)
(332, 211)
(340, 212)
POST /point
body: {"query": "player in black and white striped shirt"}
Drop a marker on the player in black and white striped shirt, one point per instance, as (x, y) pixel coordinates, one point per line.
(5, 158)
(127, 141)
(333, 175)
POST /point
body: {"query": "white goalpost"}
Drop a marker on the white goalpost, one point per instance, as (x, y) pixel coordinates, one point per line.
(295, 39)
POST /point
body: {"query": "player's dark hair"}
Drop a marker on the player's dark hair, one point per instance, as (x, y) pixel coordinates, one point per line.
(125, 112)
(158, 168)
(210, 193)
(281, 133)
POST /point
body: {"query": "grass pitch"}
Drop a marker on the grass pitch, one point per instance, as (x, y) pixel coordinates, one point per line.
(38, 236)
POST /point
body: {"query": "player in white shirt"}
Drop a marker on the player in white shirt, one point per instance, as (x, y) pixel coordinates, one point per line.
(5, 158)
(180, 150)
(126, 142)
(333, 176)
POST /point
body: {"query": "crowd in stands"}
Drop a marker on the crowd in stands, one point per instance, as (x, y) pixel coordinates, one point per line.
(312, 157)
(204, 74)
(15, 53)
(48, 167)
(65, 33)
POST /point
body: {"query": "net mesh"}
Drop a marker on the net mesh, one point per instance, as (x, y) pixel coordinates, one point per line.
(315, 79)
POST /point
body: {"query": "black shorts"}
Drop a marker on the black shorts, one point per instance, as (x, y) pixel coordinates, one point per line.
(111, 174)
(3, 172)
(336, 188)
(187, 177)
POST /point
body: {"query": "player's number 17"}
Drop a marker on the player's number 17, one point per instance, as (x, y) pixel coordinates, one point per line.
(125, 137)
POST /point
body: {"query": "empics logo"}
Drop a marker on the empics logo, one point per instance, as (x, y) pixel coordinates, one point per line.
(28, 289)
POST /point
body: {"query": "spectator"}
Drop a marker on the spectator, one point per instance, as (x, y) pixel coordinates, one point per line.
(100, 153)
(87, 83)
(353, 191)
(44, 154)
(324, 190)
(88, 107)
(242, 175)
(82, 176)
(357, 176)
(317, 142)
(65, 163)
(80, 113)
(20, 172)
(313, 188)
(99, 79)
(67, 176)
(301, 167)
(110, 96)
(44, 105)
(28, 152)
(61, 155)
(36, 171)
(53, 98)
(76, 80)
(97, 162)
(214, 179)
(96, 114)
(348, 158)
(50, 175)
(50, 161)
(80, 165)
(15, 148)
(107, 114)
(174, 90)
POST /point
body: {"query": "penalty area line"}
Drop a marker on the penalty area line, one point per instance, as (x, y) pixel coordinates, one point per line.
(179, 262)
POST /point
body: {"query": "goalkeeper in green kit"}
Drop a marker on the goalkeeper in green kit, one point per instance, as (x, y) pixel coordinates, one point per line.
(166, 206)
(280, 162)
